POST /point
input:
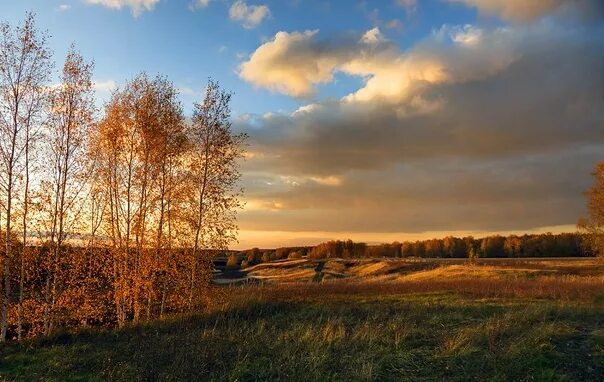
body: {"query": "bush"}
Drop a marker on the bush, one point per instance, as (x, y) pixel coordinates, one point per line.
(253, 256)
(294, 255)
(232, 261)
(266, 257)
(281, 253)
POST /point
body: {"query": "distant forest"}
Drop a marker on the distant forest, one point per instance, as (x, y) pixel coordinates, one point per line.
(513, 246)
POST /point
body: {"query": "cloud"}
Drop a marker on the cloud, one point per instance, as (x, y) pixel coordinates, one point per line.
(64, 7)
(291, 63)
(249, 15)
(137, 6)
(518, 193)
(327, 180)
(294, 63)
(486, 90)
(104, 86)
(464, 35)
(471, 128)
(525, 11)
(394, 24)
(409, 5)
(373, 36)
(187, 91)
(201, 3)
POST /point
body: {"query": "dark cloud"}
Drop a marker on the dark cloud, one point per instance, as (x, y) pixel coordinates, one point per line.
(511, 194)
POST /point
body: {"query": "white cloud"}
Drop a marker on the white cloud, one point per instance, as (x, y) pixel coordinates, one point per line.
(104, 86)
(331, 180)
(137, 6)
(249, 15)
(287, 64)
(373, 36)
(201, 3)
(294, 63)
(187, 91)
(466, 35)
(64, 7)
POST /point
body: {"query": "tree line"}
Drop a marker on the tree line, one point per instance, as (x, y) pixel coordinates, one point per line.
(108, 216)
(495, 246)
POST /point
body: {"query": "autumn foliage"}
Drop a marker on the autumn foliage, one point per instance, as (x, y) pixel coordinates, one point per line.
(110, 219)
(593, 225)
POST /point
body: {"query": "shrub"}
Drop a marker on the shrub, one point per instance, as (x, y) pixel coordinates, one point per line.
(232, 261)
(253, 256)
(281, 253)
(294, 255)
(266, 257)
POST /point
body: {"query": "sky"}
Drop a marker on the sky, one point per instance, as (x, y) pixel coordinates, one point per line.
(374, 120)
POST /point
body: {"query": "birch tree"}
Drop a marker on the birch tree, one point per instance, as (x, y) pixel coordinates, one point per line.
(25, 70)
(137, 139)
(71, 119)
(213, 175)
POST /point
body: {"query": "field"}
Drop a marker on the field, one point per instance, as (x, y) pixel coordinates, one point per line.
(517, 320)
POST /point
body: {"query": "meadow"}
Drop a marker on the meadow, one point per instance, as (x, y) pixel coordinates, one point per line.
(525, 321)
(127, 194)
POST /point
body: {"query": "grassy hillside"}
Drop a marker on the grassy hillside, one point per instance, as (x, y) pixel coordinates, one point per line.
(443, 326)
(307, 270)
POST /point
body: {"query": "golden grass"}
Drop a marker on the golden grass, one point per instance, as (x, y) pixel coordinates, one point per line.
(287, 275)
(562, 287)
(465, 271)
(278, 264)
(365, 270)
(408, 270)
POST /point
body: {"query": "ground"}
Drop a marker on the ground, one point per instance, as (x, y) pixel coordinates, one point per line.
(529, 320)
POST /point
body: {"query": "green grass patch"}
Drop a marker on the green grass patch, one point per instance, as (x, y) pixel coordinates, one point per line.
(430, 336)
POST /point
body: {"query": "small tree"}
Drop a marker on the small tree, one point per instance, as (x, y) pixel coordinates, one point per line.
(253, 256)
(294, 255)
(592, 227)
(472, 255)
(266, 257)
(232, 261)
(281, 253)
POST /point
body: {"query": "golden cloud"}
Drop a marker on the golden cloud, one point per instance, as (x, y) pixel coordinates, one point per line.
(528, 10)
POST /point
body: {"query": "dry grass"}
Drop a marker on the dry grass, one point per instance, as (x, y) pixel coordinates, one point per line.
(564, 288)
(464, 272)
(517, 322)
(303, 270)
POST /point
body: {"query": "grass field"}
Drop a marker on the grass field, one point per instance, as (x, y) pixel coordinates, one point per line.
(524, 321)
